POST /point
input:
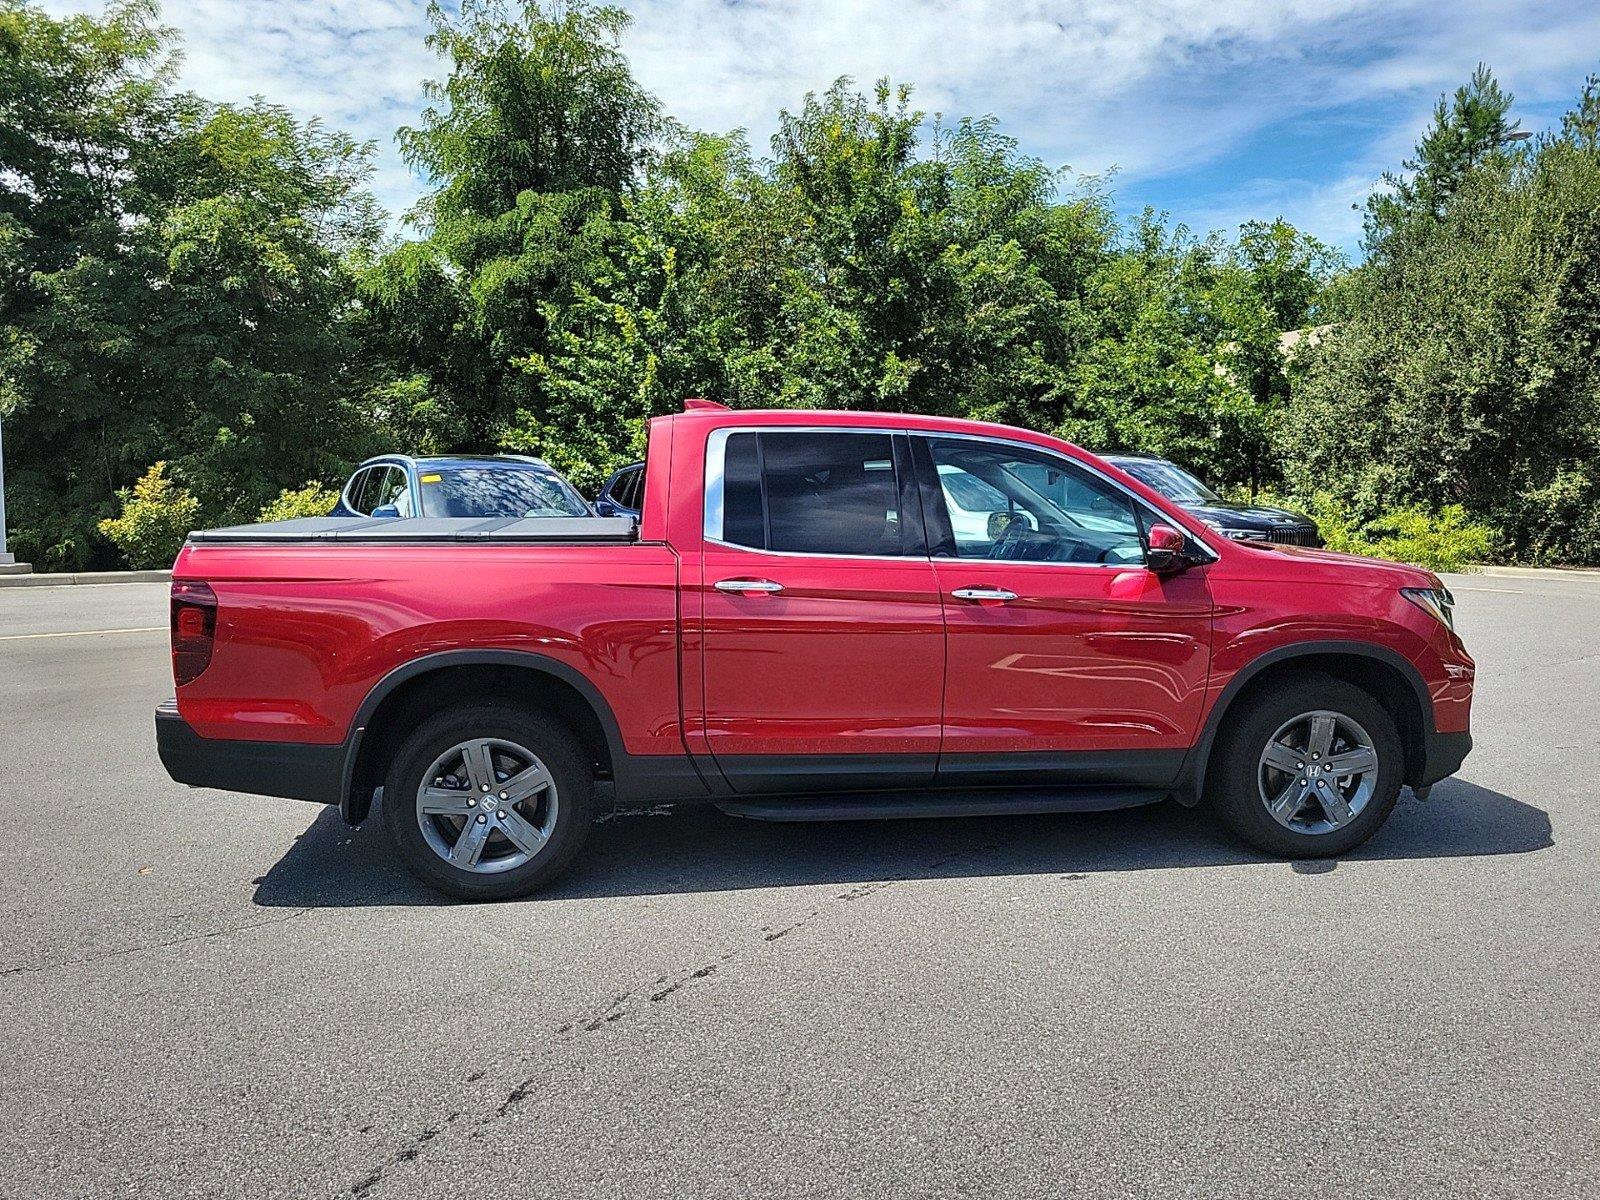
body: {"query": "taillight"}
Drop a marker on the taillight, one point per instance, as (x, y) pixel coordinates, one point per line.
(194, 629)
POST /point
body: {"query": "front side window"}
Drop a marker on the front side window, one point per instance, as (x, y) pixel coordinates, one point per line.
(392, 487)
(497, 491)
(812, 493)
(1004, 502)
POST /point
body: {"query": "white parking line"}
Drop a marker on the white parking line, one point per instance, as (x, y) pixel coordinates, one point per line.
(18, 637)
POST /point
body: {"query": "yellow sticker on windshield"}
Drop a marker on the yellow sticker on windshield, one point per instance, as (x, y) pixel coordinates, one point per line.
(431, 478)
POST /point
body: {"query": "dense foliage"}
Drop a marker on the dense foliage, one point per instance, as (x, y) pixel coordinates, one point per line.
(208, 285)
(312, 500)
(173, 284)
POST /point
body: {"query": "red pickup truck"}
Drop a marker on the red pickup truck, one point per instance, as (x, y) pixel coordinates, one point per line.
(817, 615)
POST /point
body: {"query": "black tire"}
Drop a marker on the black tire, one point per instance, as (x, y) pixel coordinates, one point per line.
(545, 737)
(1232, 779)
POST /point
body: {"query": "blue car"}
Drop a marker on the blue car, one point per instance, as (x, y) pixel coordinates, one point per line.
(623, 493)
(504, 485)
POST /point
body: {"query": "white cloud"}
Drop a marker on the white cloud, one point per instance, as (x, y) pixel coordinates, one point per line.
(1155, 88)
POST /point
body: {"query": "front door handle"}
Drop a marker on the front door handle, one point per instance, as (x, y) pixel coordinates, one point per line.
(745, 587)
(983, 593)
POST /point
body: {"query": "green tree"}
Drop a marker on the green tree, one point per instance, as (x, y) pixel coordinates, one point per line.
(172, 283)
(1464, 367)
(535, 136)
(1468, 129)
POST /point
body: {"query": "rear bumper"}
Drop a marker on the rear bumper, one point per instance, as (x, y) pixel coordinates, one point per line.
(1442, 755)
(293, 770)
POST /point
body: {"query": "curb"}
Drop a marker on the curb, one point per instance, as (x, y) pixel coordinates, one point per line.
(84, 577)
(1571, 574)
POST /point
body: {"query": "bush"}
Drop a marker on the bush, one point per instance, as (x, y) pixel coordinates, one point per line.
(1446, 540)
(313, 500)
(157, 515)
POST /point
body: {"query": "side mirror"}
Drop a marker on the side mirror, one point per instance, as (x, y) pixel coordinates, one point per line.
(386, 510)
(1164, 554)
(605, 508)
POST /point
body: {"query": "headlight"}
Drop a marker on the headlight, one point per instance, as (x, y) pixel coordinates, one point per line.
(1437, 601)
(1235, 535)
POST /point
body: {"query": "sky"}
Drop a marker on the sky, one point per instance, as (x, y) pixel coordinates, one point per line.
(1215, 111)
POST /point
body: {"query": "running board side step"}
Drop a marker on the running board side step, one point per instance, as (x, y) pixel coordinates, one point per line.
(896, 806)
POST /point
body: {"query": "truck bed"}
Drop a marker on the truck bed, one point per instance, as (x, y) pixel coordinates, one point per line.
(426, 529)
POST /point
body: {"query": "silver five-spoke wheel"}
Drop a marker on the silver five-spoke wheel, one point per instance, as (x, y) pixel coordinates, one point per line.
(1318, 772)
(487, 805)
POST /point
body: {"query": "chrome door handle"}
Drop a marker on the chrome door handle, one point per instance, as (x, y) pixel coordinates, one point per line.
(983, 593)
(745, 586)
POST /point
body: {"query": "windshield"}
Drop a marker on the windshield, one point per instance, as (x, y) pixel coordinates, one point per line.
(1171, 481)
(497, 491)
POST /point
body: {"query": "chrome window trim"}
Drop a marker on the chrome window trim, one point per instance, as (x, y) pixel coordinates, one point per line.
(716, 456)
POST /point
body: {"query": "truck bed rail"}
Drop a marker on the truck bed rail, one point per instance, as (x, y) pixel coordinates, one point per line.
(345, 530)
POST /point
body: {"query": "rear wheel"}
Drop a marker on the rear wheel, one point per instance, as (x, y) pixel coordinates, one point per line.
(1307, 769)
(489, 802)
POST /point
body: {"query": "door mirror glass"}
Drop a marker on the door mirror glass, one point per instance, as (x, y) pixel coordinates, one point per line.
(386, 510)
(1166, 553)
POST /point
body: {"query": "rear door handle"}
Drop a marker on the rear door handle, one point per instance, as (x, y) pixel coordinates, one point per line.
(744, 587)
(983, 593)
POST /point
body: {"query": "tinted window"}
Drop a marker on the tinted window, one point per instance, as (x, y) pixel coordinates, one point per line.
(1031, 506)
(352, 491)
(812, 493)
(497, 491)
(628, 490)
(364, 488)
(389, 487)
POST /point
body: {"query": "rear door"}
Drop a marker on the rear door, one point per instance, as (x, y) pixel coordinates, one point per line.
(822, 629)
(1067, 657)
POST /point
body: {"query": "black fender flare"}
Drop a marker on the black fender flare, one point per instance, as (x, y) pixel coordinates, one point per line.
(1190, 783)
(354, 809)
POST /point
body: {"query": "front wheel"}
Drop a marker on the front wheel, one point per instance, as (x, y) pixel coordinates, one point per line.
(489, 802)
(1307, 769)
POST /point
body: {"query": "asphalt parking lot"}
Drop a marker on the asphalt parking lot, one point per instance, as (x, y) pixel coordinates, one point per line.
(213, 995)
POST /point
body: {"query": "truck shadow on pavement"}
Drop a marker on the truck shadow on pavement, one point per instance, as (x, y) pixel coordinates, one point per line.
(699, 849)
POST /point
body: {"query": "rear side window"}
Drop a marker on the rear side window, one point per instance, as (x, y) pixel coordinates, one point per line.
(812, 493)
(628, 490)
(370, 488)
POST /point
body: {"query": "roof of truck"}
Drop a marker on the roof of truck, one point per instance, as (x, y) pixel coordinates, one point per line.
(853, 419)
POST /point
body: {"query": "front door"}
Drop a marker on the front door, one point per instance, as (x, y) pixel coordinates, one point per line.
(1067, 658)
(822, 629)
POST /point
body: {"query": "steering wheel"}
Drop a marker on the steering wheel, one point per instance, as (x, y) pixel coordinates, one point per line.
(1005, 545)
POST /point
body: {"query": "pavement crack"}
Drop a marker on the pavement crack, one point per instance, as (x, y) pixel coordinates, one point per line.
(126, 951)
(619, 1006)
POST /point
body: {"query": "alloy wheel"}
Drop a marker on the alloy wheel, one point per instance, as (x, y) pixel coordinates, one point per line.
(1318, 772)
(487, 805)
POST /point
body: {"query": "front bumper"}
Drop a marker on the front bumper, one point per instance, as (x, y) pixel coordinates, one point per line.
(294, 770)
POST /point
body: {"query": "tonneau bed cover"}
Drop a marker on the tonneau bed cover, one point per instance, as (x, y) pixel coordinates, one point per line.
(427, 529)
